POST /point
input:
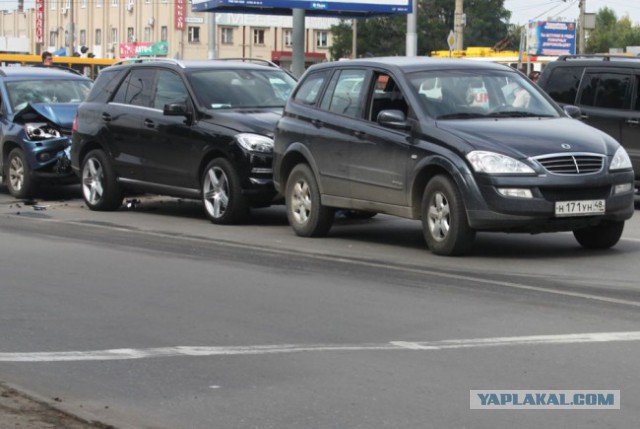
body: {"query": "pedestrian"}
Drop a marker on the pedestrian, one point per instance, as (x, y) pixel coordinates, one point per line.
(47, 59)
(534, 76)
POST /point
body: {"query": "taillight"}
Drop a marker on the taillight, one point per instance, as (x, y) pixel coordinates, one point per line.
(75, 124)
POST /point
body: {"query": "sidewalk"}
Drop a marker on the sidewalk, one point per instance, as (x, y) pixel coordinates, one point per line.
(19, 411)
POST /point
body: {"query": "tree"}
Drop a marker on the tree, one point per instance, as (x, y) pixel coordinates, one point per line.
(611, 32)
(487, 23)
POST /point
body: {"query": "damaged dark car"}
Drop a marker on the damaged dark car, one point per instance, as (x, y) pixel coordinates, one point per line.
(38, 106)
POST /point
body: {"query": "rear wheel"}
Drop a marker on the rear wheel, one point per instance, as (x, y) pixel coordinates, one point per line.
(444, 218)
(307, 216)
(602, 236)
(18, 175)
(99, 187)
(222, 193)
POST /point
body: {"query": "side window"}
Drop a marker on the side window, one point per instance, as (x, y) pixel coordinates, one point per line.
(563, 84)
(137, 88)
(636, 104)
(105, 85)
(347, 96)
(607, 90)
(309, 90)
(169, 89)
(386, 96)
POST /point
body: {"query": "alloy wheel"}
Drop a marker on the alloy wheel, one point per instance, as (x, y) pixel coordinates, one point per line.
(216, 192)
(93, 181)
(439, 219)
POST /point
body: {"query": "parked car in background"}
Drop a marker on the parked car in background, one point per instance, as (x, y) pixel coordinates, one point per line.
(606, 88)
(396, 146)
(199, 129)
(36, 113)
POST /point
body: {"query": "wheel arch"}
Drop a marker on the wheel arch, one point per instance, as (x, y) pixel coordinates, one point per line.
(296, 153)
(206, 159)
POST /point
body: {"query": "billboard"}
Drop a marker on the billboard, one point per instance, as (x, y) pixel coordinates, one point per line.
(313, 8)
(551, 38)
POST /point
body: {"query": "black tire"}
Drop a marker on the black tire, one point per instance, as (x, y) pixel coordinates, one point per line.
(18, 175)
(100, 190)
(222, 193)
(307, 216)
(444, 218)
(602, 236)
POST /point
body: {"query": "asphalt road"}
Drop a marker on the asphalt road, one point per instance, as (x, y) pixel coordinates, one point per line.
(151, 317)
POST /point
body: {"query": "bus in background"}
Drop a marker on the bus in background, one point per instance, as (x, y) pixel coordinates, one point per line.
(511, 58)
(89, 67)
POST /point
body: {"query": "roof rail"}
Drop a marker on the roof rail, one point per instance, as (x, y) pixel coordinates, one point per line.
(601, 57)
(148, 60)
(251, 60)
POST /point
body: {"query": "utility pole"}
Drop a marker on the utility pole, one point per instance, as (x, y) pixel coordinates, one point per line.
(354, 38)
(72, 29)
(583, 32)
(458, 25)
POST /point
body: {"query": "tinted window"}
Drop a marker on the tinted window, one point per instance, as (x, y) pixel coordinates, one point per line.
(137, 88)
(386, 96)
(309, 90)
(169, 89)
(105, 85)
(563, 84)
(636, 104)
(346, 98)
(607, 90)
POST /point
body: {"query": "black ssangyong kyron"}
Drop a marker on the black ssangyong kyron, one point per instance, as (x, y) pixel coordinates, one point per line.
(199, 129)
(464, 146)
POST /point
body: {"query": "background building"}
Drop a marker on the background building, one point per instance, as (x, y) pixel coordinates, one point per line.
(125, 28)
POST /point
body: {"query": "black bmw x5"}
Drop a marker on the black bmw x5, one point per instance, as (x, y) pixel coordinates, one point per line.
(461, 145)
(200, 129)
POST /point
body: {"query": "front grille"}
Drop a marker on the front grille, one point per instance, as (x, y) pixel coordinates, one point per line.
(572, 163)
(571, 194)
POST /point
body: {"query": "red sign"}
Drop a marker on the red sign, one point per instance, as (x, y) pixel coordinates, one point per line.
(181, 11)
(39, 21)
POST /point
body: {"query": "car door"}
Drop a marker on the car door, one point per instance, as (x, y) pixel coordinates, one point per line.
(630, 135)
(604, 99)
(170, 153)
(378, 155)
(123, 122)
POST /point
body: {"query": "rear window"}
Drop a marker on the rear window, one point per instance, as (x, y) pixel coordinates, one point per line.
(562, 84)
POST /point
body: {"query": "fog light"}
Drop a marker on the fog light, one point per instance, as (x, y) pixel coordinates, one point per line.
(515, 192)
(44, 156)
(625, 187)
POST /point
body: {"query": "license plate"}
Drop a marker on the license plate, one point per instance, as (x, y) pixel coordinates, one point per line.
(580, 208)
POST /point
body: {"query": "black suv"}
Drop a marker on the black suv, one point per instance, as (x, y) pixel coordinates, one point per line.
(200, 129)
(607, 90)
(37, 107)
(463, 145)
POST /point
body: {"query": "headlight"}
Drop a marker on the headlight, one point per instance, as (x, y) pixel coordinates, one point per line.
(620, 160)
(495, 163)
(41, 131)
(255, 142)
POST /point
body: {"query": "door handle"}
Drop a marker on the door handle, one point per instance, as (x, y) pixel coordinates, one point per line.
(359, 134)
(106, 117)
(149, 123)
(584, 116)
(633, 121)
(316, 122)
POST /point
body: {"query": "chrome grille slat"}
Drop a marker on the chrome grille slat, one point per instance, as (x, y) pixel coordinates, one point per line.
(572, 163)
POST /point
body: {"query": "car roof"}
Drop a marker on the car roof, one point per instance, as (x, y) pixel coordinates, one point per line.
(36, 72)
(222, 64)
(411, 64)
(596, 60)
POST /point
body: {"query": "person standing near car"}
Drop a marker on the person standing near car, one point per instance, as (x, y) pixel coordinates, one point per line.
(47, 59)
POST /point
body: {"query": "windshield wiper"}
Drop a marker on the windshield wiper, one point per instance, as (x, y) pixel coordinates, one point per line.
(461, 115)
(516, 114)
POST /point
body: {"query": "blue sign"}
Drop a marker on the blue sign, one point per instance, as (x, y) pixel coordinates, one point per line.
(313, 8)
(551, 38)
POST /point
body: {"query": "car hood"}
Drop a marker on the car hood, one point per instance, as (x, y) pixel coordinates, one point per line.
(530, 137)
(260, 121)
(60, 114)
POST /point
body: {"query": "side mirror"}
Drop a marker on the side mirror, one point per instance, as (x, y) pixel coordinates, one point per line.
(175, 109)
(572, 111)
(392, 118)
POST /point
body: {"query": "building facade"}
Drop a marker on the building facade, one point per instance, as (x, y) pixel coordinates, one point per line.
(126, 28)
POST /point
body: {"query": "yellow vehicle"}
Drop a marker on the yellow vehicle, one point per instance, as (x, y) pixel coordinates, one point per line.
(86, 66)
(511, 58)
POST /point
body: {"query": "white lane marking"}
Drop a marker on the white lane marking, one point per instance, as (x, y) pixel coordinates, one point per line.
(127, 354)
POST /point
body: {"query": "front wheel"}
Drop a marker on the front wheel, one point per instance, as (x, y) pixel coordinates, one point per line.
(444, 218)
(19, 181)
(222, 193)
(602, 236)
(307, 216)
(99, 187)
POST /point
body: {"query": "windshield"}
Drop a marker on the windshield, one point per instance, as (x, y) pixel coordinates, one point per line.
(228, 89)
(47, 91)
(468, 94)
